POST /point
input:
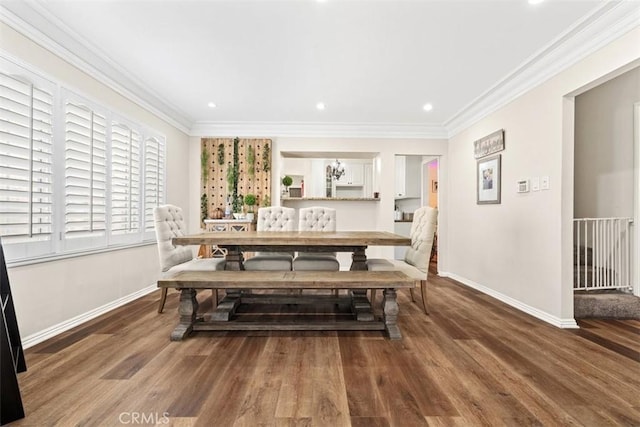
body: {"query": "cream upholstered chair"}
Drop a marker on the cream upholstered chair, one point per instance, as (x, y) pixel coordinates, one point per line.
(416, 259)
(273, 218)
(322, 220)
(169, 223)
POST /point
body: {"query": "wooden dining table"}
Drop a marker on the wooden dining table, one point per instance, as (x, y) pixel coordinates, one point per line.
(354, 242)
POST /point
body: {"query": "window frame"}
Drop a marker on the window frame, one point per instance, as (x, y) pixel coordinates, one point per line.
(60, 246)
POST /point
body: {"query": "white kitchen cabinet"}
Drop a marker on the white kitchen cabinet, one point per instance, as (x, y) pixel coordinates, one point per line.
(353, 175)
(407, 177)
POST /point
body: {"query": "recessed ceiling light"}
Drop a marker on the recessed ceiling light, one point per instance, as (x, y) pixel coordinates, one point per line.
(211, 105)
(427, 107)
(320, 105)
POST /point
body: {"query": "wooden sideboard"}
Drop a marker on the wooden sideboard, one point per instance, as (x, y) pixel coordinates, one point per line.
(223, 225)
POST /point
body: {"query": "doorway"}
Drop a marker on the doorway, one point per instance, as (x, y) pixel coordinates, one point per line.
(636, 203)
(430, 197)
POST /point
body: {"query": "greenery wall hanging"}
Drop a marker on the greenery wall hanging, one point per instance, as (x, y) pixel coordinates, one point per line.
(235, 167)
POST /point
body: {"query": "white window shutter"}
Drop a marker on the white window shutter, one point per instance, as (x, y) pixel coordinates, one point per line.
(125, 179)
(154, 162)
(85, 172)
(26, 200)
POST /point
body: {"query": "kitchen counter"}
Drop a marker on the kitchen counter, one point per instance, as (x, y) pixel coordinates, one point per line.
(333, 199)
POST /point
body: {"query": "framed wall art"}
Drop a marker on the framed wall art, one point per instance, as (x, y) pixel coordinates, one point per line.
(488, 180)
(489, 144)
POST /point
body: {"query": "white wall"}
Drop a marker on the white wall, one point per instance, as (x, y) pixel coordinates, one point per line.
(351, 215)
(50, 294)
(604, 148)
(520, 250)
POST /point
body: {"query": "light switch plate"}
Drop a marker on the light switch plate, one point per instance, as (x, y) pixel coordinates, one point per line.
(535, 183)
(544, 182)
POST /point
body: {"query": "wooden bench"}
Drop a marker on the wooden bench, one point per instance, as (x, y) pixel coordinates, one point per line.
(235, 282)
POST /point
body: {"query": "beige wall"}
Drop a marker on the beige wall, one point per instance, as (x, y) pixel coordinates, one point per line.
(520, 249)
(604, 148)
(50, 294)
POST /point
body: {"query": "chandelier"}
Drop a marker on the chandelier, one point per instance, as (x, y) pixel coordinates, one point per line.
(337, 169)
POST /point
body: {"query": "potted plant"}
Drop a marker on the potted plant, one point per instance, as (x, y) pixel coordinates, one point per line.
(237, 204)
(287, 181)
(250, 201)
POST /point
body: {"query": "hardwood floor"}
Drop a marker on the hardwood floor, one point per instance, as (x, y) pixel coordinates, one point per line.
(473, 361)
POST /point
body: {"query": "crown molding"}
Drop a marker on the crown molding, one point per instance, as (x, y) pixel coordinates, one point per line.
(603, 25)
(313, 129)
(34, 22)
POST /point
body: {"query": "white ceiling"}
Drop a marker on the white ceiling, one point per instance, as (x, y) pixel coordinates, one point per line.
(370, 62)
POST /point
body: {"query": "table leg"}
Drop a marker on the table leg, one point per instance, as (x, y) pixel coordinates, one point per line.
(361, 306)
(390, 309)
(359, 259)
(187, 310)
(227, 307)
(235, 262)
(234, 259)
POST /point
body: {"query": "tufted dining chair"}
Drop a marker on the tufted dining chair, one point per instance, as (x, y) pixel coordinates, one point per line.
(273, 218)
(416, 260)
(318, 219)
(169, 223)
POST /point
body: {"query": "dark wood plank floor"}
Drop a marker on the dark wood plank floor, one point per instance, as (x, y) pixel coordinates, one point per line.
(473, 361)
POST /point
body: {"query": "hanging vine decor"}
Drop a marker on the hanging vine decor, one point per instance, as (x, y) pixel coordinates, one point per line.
(221, 154)
(204, 207)
(266, 158)
(204, 165)
(237, 204)
(251, 161)
(235, 173)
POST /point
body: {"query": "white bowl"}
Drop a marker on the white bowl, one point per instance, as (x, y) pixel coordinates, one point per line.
(238, 215)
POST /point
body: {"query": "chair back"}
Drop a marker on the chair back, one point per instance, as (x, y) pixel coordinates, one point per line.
(423, 229)
(169, 223)
(276, 218)
(317, 219)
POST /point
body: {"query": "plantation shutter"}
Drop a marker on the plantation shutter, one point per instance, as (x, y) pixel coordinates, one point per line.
(26, 115)
(85, 172)
(154, 162)
(125, 179)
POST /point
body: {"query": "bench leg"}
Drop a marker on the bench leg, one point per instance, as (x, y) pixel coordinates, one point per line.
(359, 301)
(390, 309)
(188, 310)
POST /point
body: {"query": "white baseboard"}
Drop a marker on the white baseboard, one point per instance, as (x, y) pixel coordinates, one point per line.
(535, 312)
(54, 330)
